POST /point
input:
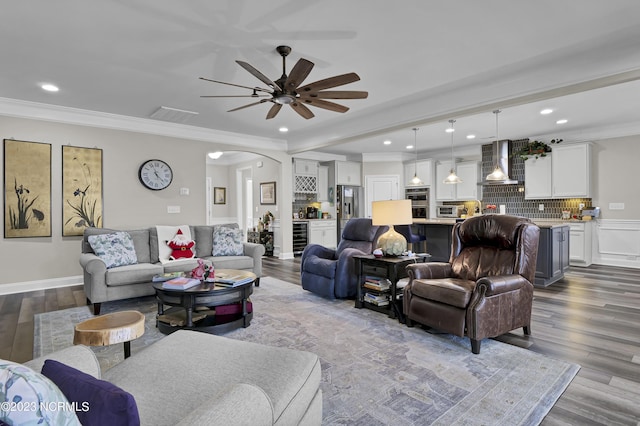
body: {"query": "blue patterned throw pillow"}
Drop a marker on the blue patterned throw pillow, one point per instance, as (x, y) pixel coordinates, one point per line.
(114, 249)
(227, 241)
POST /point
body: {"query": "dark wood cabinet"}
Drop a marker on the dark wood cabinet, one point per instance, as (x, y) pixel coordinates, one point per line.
(438, 241)
(553, 255)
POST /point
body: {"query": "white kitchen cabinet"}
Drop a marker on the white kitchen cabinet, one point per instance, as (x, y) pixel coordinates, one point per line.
(564, 173)
(537, 178)
(444, 192)
(323, 183)
(305, 167)
(424, 168)
(348, 173)
(323, 232)
(571, 171)
(580, 241)
(469, 189)
(305, 176)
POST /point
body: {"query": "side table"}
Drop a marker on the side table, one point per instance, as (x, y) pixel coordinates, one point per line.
(391, 268)
(103, 330)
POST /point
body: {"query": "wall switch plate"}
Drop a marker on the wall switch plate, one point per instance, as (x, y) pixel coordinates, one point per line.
(541, 207)
(184, 191)
(173, 209)
(616, 206)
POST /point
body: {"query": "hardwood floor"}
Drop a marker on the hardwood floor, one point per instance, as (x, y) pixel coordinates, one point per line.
(591, 318)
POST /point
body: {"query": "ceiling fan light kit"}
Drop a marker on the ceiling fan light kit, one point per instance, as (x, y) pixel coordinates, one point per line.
(287, 91)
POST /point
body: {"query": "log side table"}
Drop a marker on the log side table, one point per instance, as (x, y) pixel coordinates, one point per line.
(109, 329)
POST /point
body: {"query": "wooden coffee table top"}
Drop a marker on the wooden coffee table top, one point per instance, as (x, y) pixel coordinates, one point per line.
(108, 329)
(207, 286)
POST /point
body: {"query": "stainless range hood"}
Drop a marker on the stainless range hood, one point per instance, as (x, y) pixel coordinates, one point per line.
(501, 159)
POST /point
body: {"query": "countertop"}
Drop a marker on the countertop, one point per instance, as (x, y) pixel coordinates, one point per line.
(542, 223)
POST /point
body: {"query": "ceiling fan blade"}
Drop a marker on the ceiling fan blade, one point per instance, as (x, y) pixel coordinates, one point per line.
(302, 110)
(330, 82)
(335, 94)
(260, 89)
(248, 105)
(298, 73)
(257, 74)
(332, 106)
(235, 96)
(273, 111)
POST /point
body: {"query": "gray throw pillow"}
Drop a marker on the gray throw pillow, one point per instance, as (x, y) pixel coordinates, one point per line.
(227, 241)
(114, 249)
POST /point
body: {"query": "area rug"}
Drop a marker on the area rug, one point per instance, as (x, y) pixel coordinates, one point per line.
(375, 371)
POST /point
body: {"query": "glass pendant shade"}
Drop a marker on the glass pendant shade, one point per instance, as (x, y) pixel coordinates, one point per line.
(497, 173)
(415, 181)
(452, 178)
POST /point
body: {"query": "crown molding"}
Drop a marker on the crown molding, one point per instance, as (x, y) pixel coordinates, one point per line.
(383, 157)
(60, 114)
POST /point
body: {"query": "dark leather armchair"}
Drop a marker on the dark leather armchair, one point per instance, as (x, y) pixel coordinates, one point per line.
(331, 273)
(485, 289)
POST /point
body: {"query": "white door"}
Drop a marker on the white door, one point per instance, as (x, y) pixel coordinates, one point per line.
(380, 188)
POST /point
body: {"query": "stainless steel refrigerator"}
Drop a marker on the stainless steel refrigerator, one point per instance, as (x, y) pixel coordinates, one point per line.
(349, 203)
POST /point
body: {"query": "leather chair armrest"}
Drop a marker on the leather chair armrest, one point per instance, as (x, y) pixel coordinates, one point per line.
(495, 285)
(432, 270)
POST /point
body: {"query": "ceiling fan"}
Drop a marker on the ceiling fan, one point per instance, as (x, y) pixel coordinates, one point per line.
(287, 91)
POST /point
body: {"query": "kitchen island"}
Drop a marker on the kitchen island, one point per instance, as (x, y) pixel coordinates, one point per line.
(553, 247)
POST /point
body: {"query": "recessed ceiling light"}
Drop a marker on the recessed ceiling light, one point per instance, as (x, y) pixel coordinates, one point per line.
(409, 146)
(471, 136)
(546, 111)
(49, 87)
(283, 129)
(387, 142)
(215, 155)
(449, 130)
(562, 121)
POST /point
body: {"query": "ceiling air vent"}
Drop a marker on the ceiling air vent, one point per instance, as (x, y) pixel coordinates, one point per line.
(173, 115)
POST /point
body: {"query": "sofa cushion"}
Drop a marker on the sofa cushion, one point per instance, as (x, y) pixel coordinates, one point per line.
(26, 389)
(140, 241)
(132, 274)
(231, 262)
(99, 402)
(203, 235)
(227, 241)
(114, 249)
(165, 234)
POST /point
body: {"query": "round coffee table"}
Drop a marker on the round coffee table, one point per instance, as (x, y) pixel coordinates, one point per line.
(194, 308)
(109, 329)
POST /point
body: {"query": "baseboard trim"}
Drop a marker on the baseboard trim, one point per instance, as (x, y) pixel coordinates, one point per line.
(285, 256)
(26, 286)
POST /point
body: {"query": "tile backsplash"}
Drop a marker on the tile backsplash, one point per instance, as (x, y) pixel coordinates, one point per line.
(512, 196)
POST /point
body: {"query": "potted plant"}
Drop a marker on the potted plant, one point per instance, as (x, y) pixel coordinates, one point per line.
(535, 149)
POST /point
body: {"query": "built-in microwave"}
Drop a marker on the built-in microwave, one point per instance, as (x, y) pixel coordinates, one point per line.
(419, 196)
(449, 211)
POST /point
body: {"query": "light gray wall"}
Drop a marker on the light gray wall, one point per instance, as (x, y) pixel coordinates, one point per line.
(220, 178)
(127, 204)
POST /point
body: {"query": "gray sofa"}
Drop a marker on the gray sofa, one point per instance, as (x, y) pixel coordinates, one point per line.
(124, 282)
(193, 378)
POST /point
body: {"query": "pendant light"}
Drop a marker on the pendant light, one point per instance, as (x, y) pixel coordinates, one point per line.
(452, 178)
(415, 181)
(497, 173)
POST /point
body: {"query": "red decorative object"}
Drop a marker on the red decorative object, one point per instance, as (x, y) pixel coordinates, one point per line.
(181, 247)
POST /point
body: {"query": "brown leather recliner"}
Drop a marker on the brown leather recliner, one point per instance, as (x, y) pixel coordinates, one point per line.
(485, 289)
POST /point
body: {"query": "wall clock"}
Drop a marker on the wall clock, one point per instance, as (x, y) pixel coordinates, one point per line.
(155, 174)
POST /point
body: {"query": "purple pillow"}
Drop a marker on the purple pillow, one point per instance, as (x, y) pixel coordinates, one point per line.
(98, 402)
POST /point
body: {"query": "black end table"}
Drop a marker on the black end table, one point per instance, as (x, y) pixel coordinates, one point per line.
(391, 268)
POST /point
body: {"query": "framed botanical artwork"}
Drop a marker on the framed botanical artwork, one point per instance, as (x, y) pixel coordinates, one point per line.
(27, 189)
(81, 189)
(219, 195)
(268, 193)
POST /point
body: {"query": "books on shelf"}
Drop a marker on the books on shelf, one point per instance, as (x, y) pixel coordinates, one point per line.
(375, 283)
(376, 299)
(180, 283)
(166, 277)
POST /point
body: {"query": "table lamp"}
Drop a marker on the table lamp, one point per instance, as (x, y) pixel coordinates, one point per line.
(392, 212)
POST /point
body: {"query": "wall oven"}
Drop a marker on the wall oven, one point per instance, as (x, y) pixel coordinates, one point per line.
(419, 196)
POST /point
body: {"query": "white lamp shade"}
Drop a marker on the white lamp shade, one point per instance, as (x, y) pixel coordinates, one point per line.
(391, 212)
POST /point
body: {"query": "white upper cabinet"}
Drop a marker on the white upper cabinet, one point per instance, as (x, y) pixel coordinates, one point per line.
(468, 189)
(323, 183)
(424, 169)
(571, 171)
(348, 173)
(564, 173)
(305, 167)
(468, 171)
(305, 176)
(537, 178)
